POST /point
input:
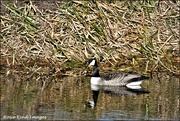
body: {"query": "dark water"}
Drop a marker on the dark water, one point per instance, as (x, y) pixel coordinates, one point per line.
(49, 98)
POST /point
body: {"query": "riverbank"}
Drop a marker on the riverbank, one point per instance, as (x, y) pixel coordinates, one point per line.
(122, 35)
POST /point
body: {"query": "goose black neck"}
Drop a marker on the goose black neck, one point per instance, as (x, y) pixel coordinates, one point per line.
(95, 72)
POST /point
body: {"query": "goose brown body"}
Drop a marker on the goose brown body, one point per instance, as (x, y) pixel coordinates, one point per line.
(121, 79)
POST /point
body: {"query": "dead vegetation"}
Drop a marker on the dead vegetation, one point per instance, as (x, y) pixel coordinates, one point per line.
(123, 35)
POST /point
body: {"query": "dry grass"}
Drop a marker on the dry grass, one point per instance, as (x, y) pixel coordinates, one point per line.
(121, 34)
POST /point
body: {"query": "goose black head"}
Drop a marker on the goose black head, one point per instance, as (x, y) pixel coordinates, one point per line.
(92, 62)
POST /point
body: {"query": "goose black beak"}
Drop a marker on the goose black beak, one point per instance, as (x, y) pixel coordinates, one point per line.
(86, 63)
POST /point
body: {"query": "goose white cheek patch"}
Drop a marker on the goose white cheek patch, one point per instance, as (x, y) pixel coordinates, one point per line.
(92, 63)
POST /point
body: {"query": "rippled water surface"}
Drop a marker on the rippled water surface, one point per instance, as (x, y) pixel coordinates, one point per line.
(49, 98)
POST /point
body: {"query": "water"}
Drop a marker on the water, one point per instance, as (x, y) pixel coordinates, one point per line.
(49, 98)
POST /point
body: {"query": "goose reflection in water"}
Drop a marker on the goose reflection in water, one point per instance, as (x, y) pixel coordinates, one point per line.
(114, 91)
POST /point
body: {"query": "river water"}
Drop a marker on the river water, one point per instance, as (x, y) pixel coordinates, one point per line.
(48, 98)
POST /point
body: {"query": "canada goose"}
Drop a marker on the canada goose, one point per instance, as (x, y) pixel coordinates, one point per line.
(130, 80)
